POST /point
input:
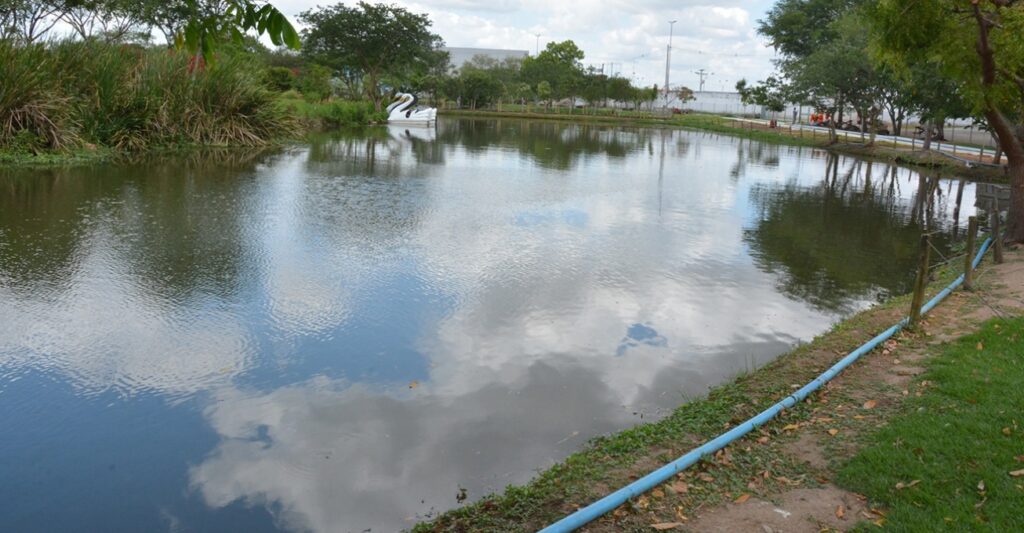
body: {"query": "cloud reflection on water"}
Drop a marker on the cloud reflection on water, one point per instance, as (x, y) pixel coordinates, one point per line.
(369, 323)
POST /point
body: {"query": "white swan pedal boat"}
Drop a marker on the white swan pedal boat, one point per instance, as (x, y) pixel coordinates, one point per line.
(404, 111)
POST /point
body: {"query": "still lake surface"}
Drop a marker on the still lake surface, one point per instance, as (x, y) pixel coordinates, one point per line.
(341, 335)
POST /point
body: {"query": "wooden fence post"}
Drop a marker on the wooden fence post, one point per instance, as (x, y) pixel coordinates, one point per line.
(997, 236)
(921, 281)
(972, 233)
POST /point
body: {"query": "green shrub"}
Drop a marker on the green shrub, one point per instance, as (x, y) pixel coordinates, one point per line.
(314, 83)
(279, 78)
(291, 94)
(341, 113)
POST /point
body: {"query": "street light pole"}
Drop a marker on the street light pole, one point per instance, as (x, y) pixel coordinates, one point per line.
(668, 57)
(537, 45)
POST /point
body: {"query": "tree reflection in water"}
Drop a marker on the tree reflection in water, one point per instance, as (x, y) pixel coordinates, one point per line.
(845, 236)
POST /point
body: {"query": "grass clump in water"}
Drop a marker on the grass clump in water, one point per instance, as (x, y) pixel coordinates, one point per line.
(954, 460)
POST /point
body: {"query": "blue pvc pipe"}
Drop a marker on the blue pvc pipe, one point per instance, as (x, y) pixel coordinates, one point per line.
(608, 503)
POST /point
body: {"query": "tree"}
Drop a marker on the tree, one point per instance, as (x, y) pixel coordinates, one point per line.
(821, 62)
(544, 93)
(112, 20)
(479, 88)
(685, 94)
(521, 92)
(770, 94)
(978, 46)
(559, 64)
(594, 88)
(375, 40)
(201, 26)
(29, 20)
(619, 89)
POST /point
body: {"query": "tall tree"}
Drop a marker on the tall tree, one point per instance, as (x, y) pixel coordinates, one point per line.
(200, 26)
(376, 40)
(29, 20)
(976, 44)
(112, 20)
(559, 64)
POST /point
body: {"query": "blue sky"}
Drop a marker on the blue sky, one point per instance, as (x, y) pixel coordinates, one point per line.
(720, 37)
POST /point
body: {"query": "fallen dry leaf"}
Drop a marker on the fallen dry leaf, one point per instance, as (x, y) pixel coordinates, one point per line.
(1007, 432)
(762, 440)
(981, 485)
(704, 476)
(840, 511)
(791, 427)
(1017, 473)
(658, 493)
(680, 487)
(743, 497)
(666, 525)
(833, 432)
(870, 404)
(981, 346)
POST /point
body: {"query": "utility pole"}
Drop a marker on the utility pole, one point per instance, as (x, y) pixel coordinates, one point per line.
(634, 76)
(668, 57)
(703, 74)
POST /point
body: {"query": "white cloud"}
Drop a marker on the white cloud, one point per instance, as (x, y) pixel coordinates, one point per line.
(718, 37)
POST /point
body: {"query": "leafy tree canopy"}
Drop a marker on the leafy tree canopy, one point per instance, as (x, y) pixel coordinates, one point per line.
(376, 40)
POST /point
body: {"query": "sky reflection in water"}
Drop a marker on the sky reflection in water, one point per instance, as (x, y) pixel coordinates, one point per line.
(339, 336)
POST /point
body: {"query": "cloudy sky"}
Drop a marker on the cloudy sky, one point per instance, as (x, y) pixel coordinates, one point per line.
(719, 37)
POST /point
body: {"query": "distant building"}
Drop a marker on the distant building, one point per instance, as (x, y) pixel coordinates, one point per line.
(461, 56)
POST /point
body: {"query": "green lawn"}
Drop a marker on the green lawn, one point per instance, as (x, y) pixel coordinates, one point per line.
(954, 460)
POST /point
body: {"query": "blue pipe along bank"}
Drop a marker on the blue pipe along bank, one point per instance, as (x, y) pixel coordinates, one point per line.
(603, 506)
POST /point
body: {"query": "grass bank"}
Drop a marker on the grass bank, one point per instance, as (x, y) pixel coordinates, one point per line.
(747, 130)
(953, 458)
(758, 464)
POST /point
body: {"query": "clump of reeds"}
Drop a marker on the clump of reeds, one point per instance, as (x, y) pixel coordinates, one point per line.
(133, 97)
(34, 113)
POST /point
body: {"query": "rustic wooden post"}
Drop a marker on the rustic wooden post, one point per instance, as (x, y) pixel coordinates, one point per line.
(997, 236)
(972, 233)
(921, 281)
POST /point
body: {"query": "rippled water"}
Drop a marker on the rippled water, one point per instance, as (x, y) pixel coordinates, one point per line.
(340, 336)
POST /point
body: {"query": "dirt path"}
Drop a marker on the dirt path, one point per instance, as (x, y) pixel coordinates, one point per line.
(824, 432)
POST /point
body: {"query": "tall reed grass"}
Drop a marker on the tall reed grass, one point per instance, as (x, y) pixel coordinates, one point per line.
(62, 94)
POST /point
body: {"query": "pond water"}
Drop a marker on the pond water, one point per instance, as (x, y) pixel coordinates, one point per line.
(345, 334)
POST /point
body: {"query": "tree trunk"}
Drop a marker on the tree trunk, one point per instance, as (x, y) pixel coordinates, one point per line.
(927, 135)
(873, 128)
(1015, 217)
